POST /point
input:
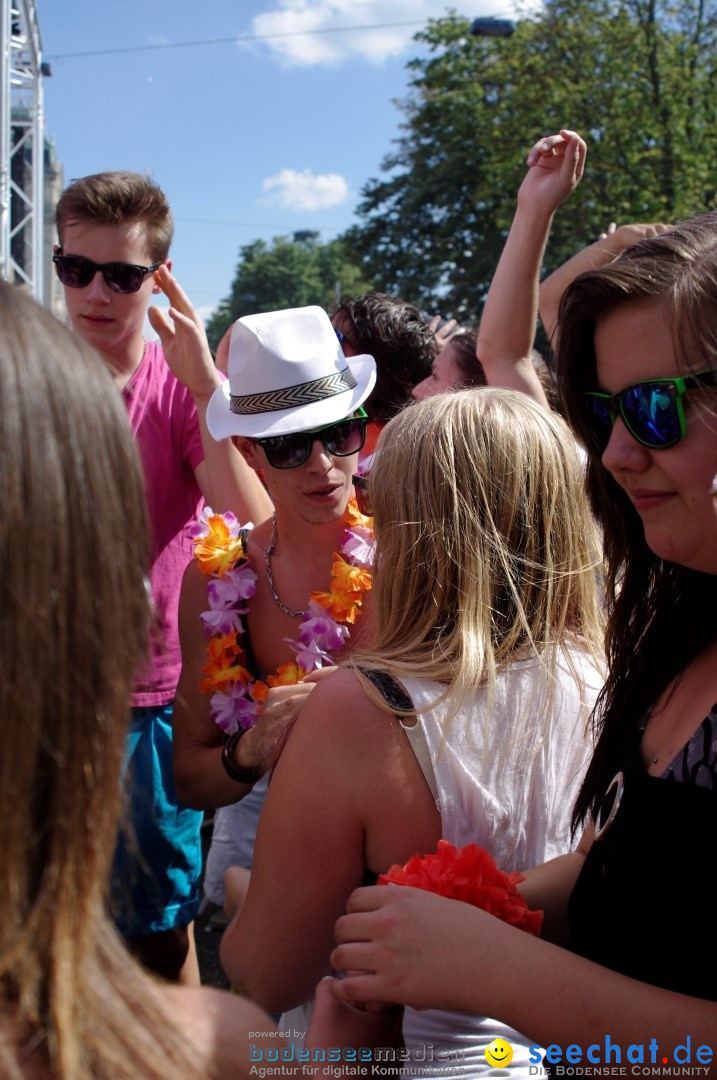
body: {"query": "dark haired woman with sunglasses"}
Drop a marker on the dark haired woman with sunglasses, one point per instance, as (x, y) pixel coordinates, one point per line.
(637, 361)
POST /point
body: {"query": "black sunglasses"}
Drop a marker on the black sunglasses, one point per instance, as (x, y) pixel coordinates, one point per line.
(338, 439)
(363, 499)
(76, 272)
(652, 410)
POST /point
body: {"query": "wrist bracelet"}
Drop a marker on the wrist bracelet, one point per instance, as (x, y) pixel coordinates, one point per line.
(241, 773)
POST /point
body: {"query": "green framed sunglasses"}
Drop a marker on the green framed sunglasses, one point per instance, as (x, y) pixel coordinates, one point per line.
(340, 439)
(652, 410)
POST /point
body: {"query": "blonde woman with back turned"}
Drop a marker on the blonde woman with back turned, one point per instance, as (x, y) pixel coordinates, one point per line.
(73, 627)
(486, 657)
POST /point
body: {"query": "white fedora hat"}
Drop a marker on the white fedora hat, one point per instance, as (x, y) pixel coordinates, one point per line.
(287, 372)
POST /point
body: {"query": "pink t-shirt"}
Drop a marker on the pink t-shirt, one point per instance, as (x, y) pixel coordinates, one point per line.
(164, 420)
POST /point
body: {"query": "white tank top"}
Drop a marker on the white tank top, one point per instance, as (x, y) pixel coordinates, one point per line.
(505, 780)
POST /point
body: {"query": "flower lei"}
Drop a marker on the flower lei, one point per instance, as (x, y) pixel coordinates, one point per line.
(220, 551)
(471, 875)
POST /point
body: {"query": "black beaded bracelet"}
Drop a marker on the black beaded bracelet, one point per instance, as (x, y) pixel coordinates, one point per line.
(241, 773)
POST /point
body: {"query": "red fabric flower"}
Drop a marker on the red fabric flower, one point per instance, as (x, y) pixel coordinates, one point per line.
(471, 875)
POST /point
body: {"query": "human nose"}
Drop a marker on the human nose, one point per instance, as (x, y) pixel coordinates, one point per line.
(98, 289)
(420, 390)
(623, 451)
(319, 459)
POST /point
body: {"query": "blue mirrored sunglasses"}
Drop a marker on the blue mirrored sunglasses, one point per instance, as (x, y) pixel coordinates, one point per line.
(652, 410)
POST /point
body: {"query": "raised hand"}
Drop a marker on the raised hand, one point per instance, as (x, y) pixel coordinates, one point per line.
(555, 167)
(184, 344)
(443, 334)
(619, 237)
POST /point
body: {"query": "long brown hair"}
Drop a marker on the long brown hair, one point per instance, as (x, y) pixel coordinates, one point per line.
(661, 615)
(73, 618)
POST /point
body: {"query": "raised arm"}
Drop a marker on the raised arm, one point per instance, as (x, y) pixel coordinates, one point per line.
(611, 244)
(224, 478)
(507, 327)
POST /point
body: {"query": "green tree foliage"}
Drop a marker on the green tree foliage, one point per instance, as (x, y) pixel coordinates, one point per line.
(284, 274)
(637, 78)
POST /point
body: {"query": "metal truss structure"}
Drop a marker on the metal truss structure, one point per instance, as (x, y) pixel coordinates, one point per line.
(21, 147)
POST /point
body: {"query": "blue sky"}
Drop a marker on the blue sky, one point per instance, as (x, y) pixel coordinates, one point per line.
(249, 140)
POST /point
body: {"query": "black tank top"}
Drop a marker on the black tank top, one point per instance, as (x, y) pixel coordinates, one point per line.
(643, 902)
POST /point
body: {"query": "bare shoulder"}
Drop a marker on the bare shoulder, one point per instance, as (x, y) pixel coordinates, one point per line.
(258, 539)
(223, 1029)
(193, 597)
(341, 697)
(192, 602)
(341, 727)
(194, 585)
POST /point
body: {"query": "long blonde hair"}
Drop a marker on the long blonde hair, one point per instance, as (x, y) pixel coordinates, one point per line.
(486, 552)
(73, 543)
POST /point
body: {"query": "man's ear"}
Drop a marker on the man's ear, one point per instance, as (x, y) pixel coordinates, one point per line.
(251, 453)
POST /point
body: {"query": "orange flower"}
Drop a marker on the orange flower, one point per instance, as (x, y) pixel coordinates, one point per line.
(217, 552)
(258, 691)
(222, 666)
(346, 578)
(471, 875)
(355, 517)
(342, 606)
(222, 651)
(286, 675)
(216, 680)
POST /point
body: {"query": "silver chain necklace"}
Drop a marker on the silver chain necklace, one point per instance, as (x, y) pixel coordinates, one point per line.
(269, 578)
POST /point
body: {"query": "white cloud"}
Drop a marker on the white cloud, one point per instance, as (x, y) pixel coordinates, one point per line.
(303, 191)
(292, 17)
(206, 311)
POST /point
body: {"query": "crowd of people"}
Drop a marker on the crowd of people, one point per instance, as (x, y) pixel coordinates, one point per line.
(357, 588)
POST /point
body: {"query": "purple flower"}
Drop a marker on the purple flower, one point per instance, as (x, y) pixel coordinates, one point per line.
(311, 655)
(357, 547)
(247, 712)
(319, 627)
(233, 710)
(223, 622)
(201, 528)
(237, 584)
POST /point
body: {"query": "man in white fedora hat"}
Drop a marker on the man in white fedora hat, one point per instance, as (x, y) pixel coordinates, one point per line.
(292, 405)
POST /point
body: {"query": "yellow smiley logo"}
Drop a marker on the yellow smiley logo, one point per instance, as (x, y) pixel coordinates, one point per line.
(499, 1053)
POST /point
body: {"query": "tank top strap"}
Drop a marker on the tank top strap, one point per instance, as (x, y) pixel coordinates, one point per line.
(396, 697)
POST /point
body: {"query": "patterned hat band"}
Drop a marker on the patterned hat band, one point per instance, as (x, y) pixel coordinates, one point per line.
(291, 396)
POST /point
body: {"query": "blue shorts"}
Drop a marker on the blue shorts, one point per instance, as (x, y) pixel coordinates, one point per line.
(158, 859)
